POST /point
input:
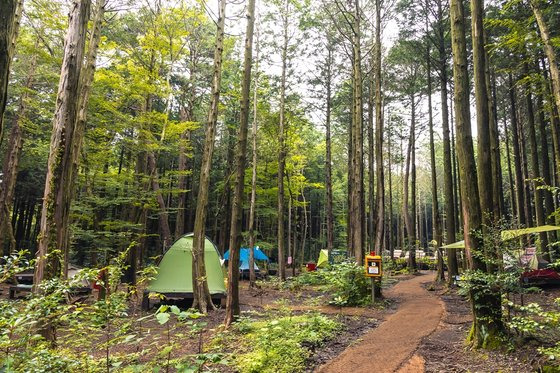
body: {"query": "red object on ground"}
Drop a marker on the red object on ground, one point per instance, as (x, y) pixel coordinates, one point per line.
(541, 275)
(100, 277)
(311, 267)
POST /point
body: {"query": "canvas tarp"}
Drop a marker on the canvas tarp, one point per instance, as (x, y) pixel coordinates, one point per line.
(175, 269)
(509, 235)
(455, 245)
(323, 258)
(513, 233)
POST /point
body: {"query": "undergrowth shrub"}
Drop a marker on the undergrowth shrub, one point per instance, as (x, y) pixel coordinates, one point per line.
(92, 335)
(349, 285)
(278, 344)
(534, 322)
(396, 266)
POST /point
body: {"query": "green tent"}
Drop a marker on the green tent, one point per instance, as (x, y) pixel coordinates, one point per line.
(174, 277)
(323, 258)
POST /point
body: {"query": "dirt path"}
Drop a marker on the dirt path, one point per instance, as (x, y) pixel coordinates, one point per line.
(391, 346)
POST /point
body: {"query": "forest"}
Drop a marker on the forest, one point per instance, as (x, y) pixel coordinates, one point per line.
(195, 185)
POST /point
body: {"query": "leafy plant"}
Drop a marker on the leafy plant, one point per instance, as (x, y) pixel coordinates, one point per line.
(349, 285)
(278, 344)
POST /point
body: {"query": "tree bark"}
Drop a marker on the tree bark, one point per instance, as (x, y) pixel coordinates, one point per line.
(525, 172)
(371, 216)
(11, 164)
(482, 114)
(201, 293)
(8, 28)
(436, 221)
(356, 208)
(282, 146)
(58, 183)
(379, 134)
(448, 190)
(162, 214)
(186, 115)
(519, 188)
(390, 241)
(535, 171)
(497, 183)
(232, 301)
(487, 319)
(252, 276)
(510, 174)
(328, 155)
(548, 49)
(409, 224)
(547, 177)
(87, 75)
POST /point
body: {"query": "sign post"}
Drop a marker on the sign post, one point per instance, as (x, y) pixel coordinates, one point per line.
(374, 269)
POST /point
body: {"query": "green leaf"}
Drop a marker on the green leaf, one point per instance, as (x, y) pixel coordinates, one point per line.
(163, 317)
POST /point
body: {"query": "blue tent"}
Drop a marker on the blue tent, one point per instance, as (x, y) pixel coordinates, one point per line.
(244, 257)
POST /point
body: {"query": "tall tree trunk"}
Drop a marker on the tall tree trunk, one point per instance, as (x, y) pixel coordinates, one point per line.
(436, 221)
(232, 301)
(482, 114)
(544, 156)
(55, 214)
(535, 171)
(497, 184)
(252, 276)
(11, 163)
(519, 188)
(379, 133)
(448, 190)
(58, 183)
(412, 266)
(548, 49)
(282, 146)
(389, 169)
(553, 113)
(201, 293)
(487, 319)
(328, 155)
(510, 174)
(408, 222)
(356, 208)
(10, 14)
(224, 207)
(525, 172)
(88, 72)
(371, 216)
(185, 115)
(162, 214)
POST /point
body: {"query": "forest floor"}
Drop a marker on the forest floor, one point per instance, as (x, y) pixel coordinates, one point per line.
(390, 346)
(418, 328)
(427, 334)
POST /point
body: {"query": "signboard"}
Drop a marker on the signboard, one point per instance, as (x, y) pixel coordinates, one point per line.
(374, 266)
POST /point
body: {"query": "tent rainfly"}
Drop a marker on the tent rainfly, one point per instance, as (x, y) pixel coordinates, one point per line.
(174, 277)
(244, 257)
